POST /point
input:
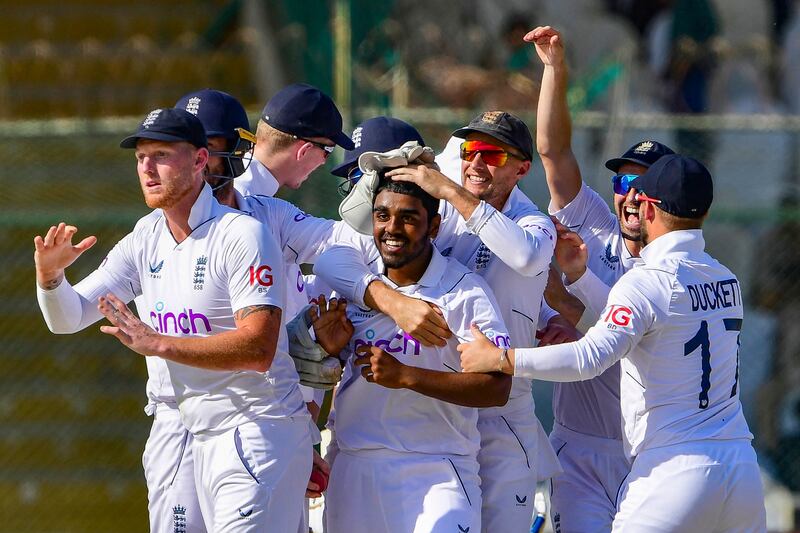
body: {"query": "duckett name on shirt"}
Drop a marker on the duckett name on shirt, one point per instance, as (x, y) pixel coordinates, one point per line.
(401, 342)
(715, 295)
(184, 322)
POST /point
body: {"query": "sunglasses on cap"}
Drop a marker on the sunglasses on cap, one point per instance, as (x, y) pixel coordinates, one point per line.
(642, 197)
(622, 183)
(327, 148)
(350, 181)
(490, 154)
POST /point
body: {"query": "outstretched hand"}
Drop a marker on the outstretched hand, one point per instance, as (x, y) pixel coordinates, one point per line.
(55, 252)
(549, 45)
(127, 327)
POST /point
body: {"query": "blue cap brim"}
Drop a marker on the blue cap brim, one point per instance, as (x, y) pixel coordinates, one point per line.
(344, 141)
(341, 170)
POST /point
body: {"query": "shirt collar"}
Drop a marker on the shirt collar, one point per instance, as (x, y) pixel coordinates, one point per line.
(432, 275)
(265, 182)
(203, 207)
(687, 240)
(242, 204)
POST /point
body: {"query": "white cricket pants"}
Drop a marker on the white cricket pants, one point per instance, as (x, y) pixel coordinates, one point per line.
(512, 447)
(253, 478)
(701, 486)
(583, 498)
(172, 501)
(378, 491)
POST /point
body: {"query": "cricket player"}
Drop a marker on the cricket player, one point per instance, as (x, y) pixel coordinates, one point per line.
(587, 430)
(490, 226)
(405, 422)
(210, 281)
(674, 324)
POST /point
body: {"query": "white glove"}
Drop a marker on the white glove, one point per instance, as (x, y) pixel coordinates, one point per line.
(315, 366)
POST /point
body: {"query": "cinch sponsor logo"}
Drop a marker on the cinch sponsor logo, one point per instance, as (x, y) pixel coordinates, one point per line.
(187, 321)
(501, 341)
(261, 276)
(300, 216)
(402, 342)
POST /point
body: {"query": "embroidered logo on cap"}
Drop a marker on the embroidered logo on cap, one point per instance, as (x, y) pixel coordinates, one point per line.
(492, 117)
(151, 118)
(357, 136)
(644, 147)
(193, 105)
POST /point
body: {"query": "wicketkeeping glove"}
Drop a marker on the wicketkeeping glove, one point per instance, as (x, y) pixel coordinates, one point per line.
(316, 367)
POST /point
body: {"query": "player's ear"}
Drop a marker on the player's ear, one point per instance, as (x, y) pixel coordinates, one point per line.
(201, 158)
(433, 230)
(523, 170)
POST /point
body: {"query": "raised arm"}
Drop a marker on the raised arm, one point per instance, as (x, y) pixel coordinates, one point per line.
(553, 123)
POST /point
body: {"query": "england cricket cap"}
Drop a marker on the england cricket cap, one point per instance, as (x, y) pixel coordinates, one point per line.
(378, 134)
(644, 153)
(682, 184)
(304, 111)
(504, 127)
(219, 112)
(169, 125)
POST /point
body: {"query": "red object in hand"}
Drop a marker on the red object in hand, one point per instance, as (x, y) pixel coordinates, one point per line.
(320, 478)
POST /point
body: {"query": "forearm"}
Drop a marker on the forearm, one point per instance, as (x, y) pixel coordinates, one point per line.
(527, 250)
(68, 309)
(234, 350)
(465, 389)
(554, 137)
(592, 293)
(461, 199)
(573, 361)
(566, 305)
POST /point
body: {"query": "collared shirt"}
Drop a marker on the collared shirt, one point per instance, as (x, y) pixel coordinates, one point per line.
(369, 416)
(257, 179)
(192, 289)
(674, 323)
(592, 407)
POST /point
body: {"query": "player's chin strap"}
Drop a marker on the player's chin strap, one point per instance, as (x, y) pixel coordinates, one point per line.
(356, 208)
(237, 159)
(315, 366)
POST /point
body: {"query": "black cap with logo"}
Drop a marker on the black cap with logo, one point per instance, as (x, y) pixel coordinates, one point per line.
(303, 110)
(682, 184)
(643, 153)
(502, 126)
(169, 125)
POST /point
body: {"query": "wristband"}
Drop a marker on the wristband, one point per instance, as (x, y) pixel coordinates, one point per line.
(503, 357)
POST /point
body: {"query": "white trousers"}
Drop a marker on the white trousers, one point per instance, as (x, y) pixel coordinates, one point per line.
(702, 486)
(172, 501)
(377, 492)
(253, 478)
(508, 459)
(583, 498)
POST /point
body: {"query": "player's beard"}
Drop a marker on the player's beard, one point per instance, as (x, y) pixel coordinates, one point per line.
(626, 233)
(400, 260)
(644, 237)
(172, 192)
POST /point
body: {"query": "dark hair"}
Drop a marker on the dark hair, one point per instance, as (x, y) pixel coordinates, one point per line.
(430, 203)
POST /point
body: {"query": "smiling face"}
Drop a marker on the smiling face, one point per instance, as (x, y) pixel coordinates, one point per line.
(626, 207)
(168, 171)
(403, 233)
(489, 183)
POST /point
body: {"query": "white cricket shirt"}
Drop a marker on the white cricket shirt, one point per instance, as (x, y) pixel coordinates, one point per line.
(592, 407)
(370, 416)
(192, 288)
(674, 323)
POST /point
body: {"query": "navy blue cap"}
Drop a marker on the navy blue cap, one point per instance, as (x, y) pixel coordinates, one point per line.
(377, 134)
(305, 111)
(170, 125)
(504, 127)
(219, 112)
(683, 185)
(643, 153)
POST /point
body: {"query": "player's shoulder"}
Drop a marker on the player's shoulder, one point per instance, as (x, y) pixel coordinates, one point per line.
(148, 224)
(234, 221)
(459, 281)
